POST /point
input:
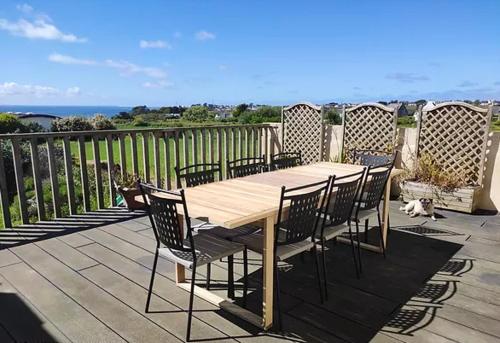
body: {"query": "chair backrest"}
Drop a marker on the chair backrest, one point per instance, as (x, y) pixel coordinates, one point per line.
(373, 158)
(161, 206)
(306, 204)
(245, 166)
(342, 196)
(198, 174)
(285, 160)
(374, 185)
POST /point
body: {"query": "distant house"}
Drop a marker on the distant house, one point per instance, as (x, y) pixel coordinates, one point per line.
(223, 115)
(400, 107)
(44, 120)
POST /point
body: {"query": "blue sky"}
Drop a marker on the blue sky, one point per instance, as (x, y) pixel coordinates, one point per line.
(105, 52)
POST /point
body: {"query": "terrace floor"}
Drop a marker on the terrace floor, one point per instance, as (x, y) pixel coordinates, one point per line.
(84, 279)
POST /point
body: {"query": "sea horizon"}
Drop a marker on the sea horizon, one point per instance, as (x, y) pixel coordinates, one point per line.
(64, 110)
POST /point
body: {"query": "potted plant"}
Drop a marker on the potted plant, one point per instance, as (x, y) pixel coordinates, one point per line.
(126, 186)
(447, 189)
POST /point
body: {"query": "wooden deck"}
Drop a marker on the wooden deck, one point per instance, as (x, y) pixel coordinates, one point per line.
(84, 279)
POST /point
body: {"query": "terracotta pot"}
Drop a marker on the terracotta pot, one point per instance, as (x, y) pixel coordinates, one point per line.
(129, 195)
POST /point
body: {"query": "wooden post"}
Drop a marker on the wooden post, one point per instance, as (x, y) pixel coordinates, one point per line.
(135, 163)
(83, 173)
(68, 169)
(168, 178)
(54, 182)
(98, 172)
(268, 269)
(37, 178)
(111, 164)
(177, 155)
(145, 156)
(186, 147)
(18, 170)
(123, 155)
(211, 144)
(203, 147)
(156, 159)
(4, 195)
(194, 146)
(233, 142)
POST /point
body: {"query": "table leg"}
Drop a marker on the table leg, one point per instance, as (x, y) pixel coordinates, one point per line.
(385, 219)
(180, 270)
(268, 269)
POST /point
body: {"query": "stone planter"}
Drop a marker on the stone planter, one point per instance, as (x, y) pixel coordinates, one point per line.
(462, 199)
(129, 195)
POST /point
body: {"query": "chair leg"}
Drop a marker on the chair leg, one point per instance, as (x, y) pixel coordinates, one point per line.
(209, 271)
(366, 230)
(359, 248)
(277, 289)
(230, 277)
(245, 277)
(155, 262)
(323, 255)
(318, 274)
(353, 251)
(381, 233)
(191, 300)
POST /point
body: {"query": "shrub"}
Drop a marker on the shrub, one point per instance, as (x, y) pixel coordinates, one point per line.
(100, 122)
(333, 117)
(72, 123)
(9, 123)
(198, 113)
(139, 121)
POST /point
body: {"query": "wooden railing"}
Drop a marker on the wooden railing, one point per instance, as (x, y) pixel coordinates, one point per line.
(52, 175)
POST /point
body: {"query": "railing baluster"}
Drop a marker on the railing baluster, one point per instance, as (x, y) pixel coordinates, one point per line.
(186, 147)
(254, 141)
(266, 143)
(247, 141)
(84, 174)
(4, 195)
(111, 164)
(177, 155)
(227, 148)
(240, 141)
(123, 155)
(194, 145)
(156, 159)
(18, 170)
(219, 146)
(135, 163)
(233, 142)
(98, 172)
(37, 179)
(68, 169)
(145, 156)
(168, 177)
(54, 182)
(211, 145)
(203, 147)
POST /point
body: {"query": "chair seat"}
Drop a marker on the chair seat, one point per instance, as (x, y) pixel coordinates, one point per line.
(330, 232)
(255, 242)
(208, 249)
(220, 232)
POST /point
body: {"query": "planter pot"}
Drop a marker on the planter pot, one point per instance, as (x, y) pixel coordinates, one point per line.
(129, 195)
(462, 199)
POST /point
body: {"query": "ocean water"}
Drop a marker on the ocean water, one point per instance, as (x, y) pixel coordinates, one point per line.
(63, 111)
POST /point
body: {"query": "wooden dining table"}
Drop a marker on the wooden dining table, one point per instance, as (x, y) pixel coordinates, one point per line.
(255, 199)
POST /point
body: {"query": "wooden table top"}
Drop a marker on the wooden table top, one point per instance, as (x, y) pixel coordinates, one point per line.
(235, 202)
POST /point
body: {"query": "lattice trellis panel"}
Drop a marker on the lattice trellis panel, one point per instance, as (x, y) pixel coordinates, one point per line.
(369, 126)
(303, 130)
(455, 136)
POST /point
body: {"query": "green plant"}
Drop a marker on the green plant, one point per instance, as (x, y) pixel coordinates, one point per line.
(72, 123)
(9, 123)
(139, 121)
(124, 180)
(198, 113)
(100, 122)
(332, 117)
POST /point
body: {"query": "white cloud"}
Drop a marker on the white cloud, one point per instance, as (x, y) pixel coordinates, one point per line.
(126, 68)
(38, 29)
(159, 84)
(25, 8)
(37, 91)
(204, 35)
(64, 59)
(154, 44)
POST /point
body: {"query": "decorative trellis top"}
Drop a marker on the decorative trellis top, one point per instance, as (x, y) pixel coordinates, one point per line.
(455, 136)
(369, 126)
(303, 130)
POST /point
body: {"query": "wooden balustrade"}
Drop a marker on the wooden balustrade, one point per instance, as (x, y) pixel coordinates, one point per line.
(58, 174)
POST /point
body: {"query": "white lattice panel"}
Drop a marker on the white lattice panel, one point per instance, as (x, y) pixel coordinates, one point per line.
(303, 124)
(455, 135)
(369, 126)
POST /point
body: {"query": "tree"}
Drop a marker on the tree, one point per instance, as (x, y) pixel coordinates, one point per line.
(238, 110)
(333, 117)
(137, 110)
(9, 123)
(197, 113)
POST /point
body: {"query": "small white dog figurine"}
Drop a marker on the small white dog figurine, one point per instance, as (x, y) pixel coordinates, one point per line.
(422, 206)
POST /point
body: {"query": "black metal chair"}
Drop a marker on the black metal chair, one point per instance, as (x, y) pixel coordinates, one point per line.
(369, 201)
(246, 166)
(285, 160)
(342, 196)
(373, 158)
(188, 250)
(198, 174)
(295, 233)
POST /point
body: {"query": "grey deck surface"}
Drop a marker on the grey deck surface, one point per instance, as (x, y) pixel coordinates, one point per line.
(85, 279)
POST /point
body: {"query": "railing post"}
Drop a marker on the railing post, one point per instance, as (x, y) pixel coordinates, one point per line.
(177, 154)
(211, 145)
(145, 155)
(168, 177)
(123, 155)
(135, 164)
(18, 170)
(83, 173)
(156, 159)
(186, 147)
(111, 164)
(203, 147)
(219, 146)
(4, 193)
(54, 182)
(37, 179)
(98, 172)
(68, 169)
(194, 146)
